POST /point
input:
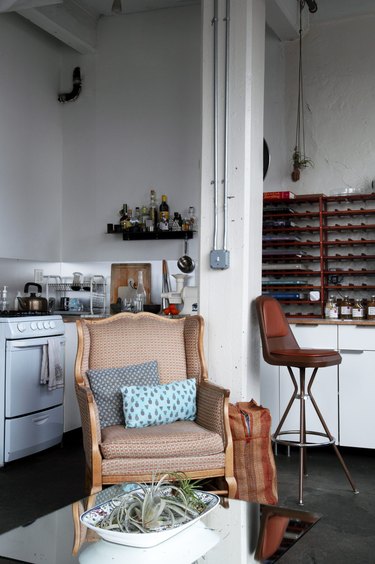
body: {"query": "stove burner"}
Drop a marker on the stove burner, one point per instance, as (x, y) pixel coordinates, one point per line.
(16, 313)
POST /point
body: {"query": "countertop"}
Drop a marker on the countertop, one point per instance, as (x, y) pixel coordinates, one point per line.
(311, 321)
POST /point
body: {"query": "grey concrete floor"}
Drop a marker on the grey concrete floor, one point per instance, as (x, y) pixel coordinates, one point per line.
(346, 532)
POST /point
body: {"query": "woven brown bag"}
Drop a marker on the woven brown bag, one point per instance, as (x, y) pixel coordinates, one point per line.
(254, 463)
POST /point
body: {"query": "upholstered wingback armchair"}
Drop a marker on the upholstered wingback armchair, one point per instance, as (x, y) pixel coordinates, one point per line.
(201, 448)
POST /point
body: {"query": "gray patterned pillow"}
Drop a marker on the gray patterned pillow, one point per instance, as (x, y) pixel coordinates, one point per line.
(106, 384)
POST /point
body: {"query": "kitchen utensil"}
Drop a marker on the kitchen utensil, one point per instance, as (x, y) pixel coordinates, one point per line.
(64, 304)
(166, 285)
(77, 281)
(186, 263)
(33, 302)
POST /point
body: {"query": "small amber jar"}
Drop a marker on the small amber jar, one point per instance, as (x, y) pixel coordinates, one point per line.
(346, 309)
(358, 311)
(371, 308)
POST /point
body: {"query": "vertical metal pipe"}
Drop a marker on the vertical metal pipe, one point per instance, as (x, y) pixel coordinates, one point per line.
(216, 119)
(226, 110)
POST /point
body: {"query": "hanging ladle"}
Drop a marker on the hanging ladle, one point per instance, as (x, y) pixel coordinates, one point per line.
(186, 263)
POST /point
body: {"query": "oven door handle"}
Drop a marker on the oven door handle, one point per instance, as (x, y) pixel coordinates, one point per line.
(40, 420)
(29, 344)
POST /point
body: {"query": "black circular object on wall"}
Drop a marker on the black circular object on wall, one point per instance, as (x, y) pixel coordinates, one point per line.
(266, 158)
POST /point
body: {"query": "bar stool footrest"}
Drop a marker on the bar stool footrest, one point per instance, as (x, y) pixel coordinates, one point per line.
(328, 442)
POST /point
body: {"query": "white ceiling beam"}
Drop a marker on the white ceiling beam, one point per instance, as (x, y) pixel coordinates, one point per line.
(282, 16)
(68, 22)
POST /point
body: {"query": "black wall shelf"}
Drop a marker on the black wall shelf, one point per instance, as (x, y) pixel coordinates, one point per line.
(152, 235)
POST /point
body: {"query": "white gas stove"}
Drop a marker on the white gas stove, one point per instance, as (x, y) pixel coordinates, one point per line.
(31, 414)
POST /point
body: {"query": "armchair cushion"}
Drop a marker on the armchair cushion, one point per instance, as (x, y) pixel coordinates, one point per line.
(179, 439)
(106, 384)
(158, 405)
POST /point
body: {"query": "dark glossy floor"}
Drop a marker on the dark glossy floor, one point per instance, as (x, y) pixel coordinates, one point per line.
(346, 532)
(46, 481)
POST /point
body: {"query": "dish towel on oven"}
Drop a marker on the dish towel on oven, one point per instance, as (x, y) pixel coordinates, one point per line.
(51, 372)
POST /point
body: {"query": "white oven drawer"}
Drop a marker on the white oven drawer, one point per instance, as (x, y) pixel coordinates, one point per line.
(23, 391)
(32, 433)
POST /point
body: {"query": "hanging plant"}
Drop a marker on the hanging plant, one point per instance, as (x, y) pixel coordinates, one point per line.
(299, 158)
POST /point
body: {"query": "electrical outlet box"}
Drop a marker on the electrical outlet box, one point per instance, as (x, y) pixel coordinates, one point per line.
(219, 259)
(38, 276)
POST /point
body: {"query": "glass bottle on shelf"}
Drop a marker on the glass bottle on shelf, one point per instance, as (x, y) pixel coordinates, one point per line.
(346, 309)
(193, 223)
(333, 308)
(123, 216)
(140, 294)
(371, 308)
(358, 311)
(164, 208)
(176, 226)
(153, 211)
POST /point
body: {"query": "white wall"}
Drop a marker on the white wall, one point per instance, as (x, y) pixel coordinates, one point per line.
(135, 126)
(339, 88)
(275, 133)
(30, 142)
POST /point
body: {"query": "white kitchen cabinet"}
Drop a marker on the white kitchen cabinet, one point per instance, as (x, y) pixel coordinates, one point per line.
(357, 386)
(72, 419)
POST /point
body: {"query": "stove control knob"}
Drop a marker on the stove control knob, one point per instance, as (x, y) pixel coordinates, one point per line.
(33, 326)
(40, 325)
(52, 324)
(21, 327)
(46, 325)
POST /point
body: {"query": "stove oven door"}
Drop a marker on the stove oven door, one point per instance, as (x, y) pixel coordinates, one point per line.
(24, 394)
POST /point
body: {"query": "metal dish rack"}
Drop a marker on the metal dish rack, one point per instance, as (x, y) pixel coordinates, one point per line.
(93, 287)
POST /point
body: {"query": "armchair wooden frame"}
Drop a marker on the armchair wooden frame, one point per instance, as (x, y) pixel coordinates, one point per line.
(212, 405)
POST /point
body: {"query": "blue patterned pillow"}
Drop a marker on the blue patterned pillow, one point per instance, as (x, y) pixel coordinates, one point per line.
(106, 384)
(157, 405)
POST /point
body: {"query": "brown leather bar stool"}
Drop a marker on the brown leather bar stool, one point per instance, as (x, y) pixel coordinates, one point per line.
(280, 348)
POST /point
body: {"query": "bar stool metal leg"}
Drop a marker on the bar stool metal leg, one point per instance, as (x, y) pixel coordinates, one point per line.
(325, 427)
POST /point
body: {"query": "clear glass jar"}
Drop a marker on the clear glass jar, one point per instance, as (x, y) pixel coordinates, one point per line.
(333, 310)
(358, 311)
(371, 308)
(346, 309)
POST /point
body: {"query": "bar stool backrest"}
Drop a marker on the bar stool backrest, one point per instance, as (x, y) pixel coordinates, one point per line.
(275, 331)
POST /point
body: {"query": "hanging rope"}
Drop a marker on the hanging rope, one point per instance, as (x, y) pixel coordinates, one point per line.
(299, 155)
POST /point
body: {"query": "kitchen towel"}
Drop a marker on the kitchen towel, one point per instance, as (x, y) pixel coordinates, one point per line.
(51, 372)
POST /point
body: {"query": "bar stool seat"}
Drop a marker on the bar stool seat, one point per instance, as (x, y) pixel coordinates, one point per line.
(280, 348)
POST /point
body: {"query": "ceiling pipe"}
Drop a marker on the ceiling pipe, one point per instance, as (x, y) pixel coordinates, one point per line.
(77, 84)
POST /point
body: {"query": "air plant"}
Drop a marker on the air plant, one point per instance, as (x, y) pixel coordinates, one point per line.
(151, 507)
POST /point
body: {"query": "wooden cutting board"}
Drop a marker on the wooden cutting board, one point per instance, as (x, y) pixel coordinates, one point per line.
(122, 273)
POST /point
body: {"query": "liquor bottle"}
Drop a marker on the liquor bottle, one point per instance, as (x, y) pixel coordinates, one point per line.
(193, 223)
(153, 211)
(371, 308)
(124, 216)
(176, 225)
(140, 295)
(346, 309)
(164, 208)
(358, 311)
(333, 309)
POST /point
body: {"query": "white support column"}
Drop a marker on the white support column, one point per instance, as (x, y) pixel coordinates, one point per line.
(226, 296)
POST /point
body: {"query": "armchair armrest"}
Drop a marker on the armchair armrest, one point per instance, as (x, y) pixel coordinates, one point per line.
(212, 408)
(90, 424)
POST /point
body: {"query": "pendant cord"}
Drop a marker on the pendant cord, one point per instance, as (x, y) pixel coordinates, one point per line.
(300, 127)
